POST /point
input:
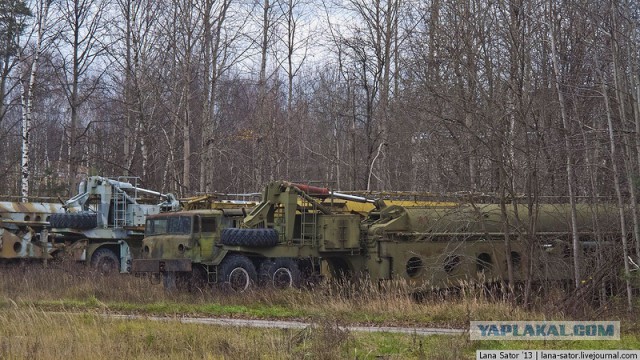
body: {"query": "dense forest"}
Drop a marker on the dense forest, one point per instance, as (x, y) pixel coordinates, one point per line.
(534, 97)
(531, 100)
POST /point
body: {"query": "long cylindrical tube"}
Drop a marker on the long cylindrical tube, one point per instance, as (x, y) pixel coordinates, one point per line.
(126, 185)
(352, 197)
(314, 190)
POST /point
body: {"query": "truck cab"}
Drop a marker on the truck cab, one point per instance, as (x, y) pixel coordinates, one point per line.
(281, 242)
(174, 241)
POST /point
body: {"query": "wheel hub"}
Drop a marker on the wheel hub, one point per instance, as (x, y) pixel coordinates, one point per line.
(239, 279)
(282, 278)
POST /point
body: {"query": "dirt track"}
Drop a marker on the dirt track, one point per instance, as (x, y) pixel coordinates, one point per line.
(281, 324)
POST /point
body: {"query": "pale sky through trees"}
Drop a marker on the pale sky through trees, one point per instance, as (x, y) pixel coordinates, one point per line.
(391, 95)
(523, 102)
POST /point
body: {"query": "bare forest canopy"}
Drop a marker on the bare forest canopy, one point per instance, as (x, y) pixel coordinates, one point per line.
(535, 97)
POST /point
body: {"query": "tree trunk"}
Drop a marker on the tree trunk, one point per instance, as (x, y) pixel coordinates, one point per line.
(568, 149)
(27, 99)
(614, 155)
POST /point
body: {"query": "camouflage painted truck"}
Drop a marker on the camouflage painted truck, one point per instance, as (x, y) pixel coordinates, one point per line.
(103, 225)
(21, 227)
(290, 236)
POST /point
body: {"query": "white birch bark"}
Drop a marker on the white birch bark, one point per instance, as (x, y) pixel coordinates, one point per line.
(26, 100)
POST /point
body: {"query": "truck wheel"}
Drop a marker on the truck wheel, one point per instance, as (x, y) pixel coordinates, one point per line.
(264, 272)
(237, 272)
(249, 237)
(282, 273)
(193, 281)
(169, 281)
(79, 220)
(105, 261)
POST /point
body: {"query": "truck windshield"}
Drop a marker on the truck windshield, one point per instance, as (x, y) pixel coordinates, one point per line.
(168, 225)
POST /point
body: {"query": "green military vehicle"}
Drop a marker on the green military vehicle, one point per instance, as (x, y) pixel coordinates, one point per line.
(184, 246)
(103, 225)
(277, 243)
(290, 236)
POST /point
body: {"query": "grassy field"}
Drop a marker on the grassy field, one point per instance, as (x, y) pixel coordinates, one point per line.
(59, 313)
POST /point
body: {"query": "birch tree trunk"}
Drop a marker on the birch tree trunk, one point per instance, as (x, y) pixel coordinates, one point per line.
(207, 108)
(635, 97)
(265, 121)
(26, 99)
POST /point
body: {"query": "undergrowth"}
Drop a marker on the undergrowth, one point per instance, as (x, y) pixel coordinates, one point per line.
(58, 312)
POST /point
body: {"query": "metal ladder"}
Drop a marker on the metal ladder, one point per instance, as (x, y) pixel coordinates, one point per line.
(119, 209)
(308, 222)
(120, 204)
(212, 273)
(278, 217)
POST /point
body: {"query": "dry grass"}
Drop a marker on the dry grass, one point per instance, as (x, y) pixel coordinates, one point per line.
(28, 333)
(363, 302)
(33, 334)
(39, 312)
(348, 302)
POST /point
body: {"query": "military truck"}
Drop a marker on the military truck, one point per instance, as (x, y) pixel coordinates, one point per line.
(103, 225)
(290, 236)
(21, 226)
(191, 240)
(275, 243)
(447, 245)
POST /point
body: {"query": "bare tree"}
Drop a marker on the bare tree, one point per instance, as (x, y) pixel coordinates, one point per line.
(567, 133)
(136, 55)
(12, 23)
(28, 79)
(296, 40)
(371, 44)
(614, 152)
(215, 59)
(81, 46)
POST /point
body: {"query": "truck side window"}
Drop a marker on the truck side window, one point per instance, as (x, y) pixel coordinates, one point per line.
(196, 224)
(209, 224)
(156, 227)
(185, 225)
(179, 225)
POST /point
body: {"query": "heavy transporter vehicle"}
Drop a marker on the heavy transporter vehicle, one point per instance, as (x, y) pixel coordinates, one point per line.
(103, 225)
(290, 236)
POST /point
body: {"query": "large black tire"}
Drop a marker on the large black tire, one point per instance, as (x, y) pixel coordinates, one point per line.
(249, 237)
(237, 273)
(280, 274)
(194, 281)
(80, 220)
(169, 281)
(105, 262)
(264, 272)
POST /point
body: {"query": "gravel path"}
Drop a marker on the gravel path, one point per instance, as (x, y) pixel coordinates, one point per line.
(282, 324)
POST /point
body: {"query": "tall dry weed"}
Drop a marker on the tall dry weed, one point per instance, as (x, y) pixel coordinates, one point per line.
(354, 300)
